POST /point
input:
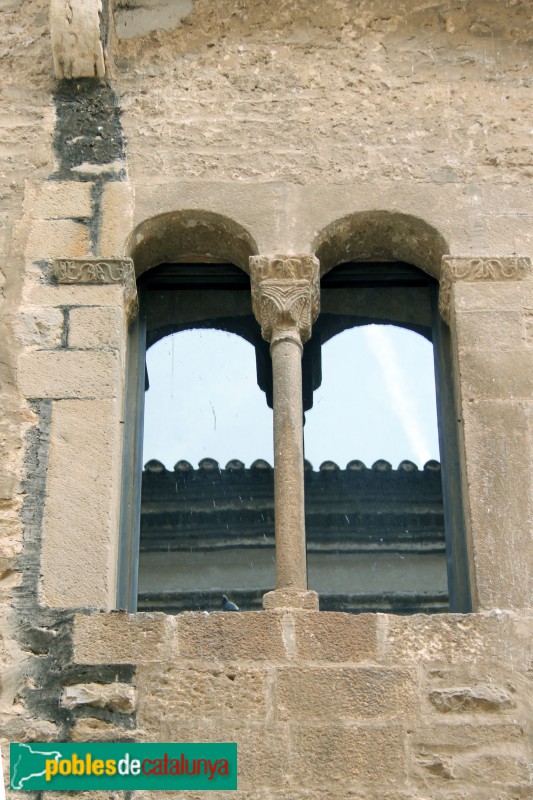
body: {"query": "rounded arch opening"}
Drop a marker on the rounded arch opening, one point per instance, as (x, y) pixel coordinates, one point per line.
(380, 236)
(190, 236)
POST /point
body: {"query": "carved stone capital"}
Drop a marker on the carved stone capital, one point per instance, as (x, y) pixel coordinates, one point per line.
(505, 268)
(86, 271)
(285, 295)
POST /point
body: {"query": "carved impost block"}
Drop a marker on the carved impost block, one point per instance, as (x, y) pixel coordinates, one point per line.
(505, 268)
(285, 295)
(86, 271)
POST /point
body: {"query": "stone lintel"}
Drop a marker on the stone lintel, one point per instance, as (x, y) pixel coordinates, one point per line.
(291, 598)
(285, 294)
(90, 271)
(77, 39)
(478, 268)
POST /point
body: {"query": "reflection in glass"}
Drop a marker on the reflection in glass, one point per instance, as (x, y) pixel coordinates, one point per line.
(374, 514)
(207, 519)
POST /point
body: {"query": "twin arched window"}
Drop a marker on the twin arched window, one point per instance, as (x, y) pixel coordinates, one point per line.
(385, 535)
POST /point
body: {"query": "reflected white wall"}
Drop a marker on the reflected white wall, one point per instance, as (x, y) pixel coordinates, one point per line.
(377, 400)
(204, 402)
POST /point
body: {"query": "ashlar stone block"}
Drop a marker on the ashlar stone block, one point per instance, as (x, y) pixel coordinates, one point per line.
(320, 693)
(121, 638)
(499, 473)
(79, 550)
(96, 328)
(448, 638)
(79, 295)
(117, 218)
(336, 637)
(494, 329)
(342, 756)
(212, 693)
(54, 238)
(59, 200)
(42, 327)
(58, 374)
(496, 374)
(254, 636)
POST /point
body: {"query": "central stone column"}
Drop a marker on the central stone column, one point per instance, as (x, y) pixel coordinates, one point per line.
(286, 300)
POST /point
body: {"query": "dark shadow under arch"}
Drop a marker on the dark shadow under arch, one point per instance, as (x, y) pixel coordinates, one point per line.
(380, 236)
(188, 236)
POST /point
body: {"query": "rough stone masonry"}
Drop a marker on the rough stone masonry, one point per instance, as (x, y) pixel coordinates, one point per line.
(344, 129)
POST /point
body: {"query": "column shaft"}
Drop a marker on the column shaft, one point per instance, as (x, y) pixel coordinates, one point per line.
(291, 565)
(286, 300)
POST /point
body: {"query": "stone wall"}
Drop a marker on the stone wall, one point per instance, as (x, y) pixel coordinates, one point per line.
(233, 129)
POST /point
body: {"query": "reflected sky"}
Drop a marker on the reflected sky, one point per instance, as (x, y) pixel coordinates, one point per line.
(377, 400)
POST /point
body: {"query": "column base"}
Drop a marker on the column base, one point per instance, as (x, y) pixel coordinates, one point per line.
(306, 600)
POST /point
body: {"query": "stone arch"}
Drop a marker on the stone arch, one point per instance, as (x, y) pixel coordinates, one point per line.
(189, 235)
(381, 235)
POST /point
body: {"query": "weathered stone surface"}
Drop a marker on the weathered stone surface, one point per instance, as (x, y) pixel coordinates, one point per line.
(121, 638)
(67, 373)
(117, 218)
(40, 295)
(490, 330)
(76, 38)
(349, 693)
(250, 636)
(306, 793)
(98, 328)
(336, 637)
(290, 599)
(499, 470)
(56, 238)
(497, 374)
(448, 638)
(341, 756)
(90, 795)
(470, 699)
(114, 696)
(478, 297)
(42, 327)
(79, 550)
(212, 693)
(90, 729)
(138, 17)
(462, 735)
(59, 200)
(497, 269)
(487, 769)
(17, 728)
(90, 271)
(399, 122)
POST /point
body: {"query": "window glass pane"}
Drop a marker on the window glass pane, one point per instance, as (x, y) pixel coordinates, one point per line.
(203, 400)
(207, 522)
(374, 515)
